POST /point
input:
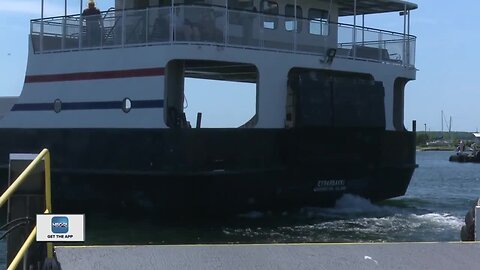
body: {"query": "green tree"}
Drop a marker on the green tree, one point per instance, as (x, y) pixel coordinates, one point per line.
(422, 138)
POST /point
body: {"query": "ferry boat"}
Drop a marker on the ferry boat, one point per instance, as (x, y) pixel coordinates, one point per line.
(106, 95)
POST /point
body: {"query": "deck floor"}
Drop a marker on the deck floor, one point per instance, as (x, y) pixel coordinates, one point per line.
(406, 256)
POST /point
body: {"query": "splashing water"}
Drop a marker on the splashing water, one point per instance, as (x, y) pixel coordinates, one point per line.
(353, 219)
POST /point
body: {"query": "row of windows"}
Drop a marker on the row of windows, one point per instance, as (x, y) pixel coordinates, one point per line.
(318, 18)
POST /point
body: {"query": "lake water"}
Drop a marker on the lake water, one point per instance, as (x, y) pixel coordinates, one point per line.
(433, 209)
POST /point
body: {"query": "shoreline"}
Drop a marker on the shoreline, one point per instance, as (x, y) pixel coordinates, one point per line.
(436, 148)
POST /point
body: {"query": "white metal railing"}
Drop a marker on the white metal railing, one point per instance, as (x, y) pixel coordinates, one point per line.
(219, 25)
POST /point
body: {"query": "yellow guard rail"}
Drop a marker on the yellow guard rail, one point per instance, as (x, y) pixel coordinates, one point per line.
(45, 154)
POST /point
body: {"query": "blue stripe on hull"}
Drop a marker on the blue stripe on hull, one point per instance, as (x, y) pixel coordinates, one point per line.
(97, 105)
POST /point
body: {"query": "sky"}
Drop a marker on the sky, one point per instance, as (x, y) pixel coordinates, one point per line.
(447, 57)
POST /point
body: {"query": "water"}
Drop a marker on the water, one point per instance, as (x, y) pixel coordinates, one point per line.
(432, 210)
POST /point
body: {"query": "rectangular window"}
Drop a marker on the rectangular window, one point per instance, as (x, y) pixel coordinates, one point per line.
(318, 22)
(270, 10)
(241, 4)
(289, 18)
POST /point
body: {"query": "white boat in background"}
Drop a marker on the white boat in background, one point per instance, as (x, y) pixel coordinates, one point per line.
(464, 153)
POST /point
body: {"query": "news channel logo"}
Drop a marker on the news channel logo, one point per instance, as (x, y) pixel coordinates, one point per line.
(59, 224)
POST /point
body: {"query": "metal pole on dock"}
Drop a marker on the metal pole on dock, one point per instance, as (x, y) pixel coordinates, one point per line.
(477, 223)
(199, 120)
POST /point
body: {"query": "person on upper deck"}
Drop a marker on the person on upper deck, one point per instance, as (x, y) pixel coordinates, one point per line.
(161, 28)
(93, 20)
(208, 29)
(185, 30)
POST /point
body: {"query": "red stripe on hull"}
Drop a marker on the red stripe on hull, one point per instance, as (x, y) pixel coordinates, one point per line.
(146, 72)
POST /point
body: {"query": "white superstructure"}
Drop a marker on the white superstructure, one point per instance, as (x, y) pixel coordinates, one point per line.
(134, 71)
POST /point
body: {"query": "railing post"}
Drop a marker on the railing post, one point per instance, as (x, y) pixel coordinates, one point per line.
(64, 25)
(172, 22)
(31, 37)
(48, 196)
(262, 29)
(225, 29)
(41, 29)
(477, 223)
(64, 31)
(404, 34)
(123, 25)
(408, 34)
(354, 37)
(295, 25)
(363, 29)
(80, 31)
(380, 45)
(48, 183)
(146, 24)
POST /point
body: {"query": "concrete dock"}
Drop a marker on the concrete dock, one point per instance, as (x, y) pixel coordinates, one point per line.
(406, 256)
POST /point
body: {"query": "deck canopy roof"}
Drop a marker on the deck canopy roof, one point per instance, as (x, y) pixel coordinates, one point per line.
(346, 7)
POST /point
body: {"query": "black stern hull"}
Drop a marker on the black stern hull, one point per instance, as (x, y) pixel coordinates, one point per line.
(216, 170)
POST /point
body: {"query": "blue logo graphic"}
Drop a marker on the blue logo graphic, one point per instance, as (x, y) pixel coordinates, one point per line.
(59, 224)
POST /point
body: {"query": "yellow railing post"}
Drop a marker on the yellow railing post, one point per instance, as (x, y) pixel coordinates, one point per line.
(48, 186)
(48, 197)
(45, 154)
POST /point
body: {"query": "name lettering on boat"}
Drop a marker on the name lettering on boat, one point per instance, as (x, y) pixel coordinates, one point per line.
(330, 185)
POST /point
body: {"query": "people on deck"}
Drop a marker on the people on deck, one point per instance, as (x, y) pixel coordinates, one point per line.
(461, 147)
(208, 29)
(93, 22)
(185, 30)
(161, 28)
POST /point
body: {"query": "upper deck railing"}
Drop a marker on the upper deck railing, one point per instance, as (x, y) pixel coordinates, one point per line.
(220, 26)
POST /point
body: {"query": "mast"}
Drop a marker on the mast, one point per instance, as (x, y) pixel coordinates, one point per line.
(442, 123)
(450, 125)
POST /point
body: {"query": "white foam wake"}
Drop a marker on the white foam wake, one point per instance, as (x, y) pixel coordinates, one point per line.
(439, 219)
